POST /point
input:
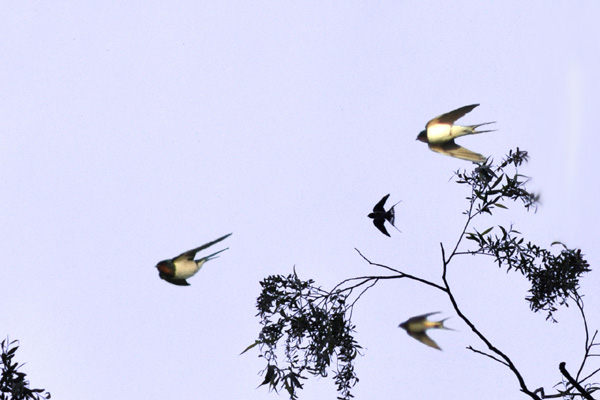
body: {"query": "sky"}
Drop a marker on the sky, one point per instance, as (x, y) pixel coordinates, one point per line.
(134, 131)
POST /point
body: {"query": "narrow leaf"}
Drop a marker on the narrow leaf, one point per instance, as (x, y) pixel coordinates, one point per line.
(488, 230)
(249, 347)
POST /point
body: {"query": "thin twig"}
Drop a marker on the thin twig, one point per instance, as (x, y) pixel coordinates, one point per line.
(377, 265)
(487, 355)
(401, 275)
(589, 376)
(360, 295)
(473, 253)
(469, 219)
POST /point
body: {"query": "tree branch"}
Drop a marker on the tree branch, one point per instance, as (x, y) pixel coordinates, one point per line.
(508, 361)
(563, 370)
(487, 355)
(399, 276)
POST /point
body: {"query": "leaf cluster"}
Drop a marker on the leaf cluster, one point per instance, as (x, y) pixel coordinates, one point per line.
(314, 328)
(492, 185)
(553, 278)
(13, 385)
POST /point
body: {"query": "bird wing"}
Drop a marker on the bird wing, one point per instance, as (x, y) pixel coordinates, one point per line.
(423, 338)
(190, 254)
(379, 223)
(421, 317)
(453, 150)
(379, 206)
(451, 116)
(178, 282)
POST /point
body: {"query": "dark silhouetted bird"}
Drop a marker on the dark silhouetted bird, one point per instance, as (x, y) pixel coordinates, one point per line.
(417, 327)
(182, 267)
(379, 215)
(440, 133)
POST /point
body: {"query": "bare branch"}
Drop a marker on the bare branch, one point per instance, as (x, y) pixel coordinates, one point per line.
(589, 376)
(377, 265)
(563, 370)
(507, 361)
(400, 275)
(487, 355)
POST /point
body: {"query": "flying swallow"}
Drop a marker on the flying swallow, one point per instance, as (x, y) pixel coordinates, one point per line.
(440, 133)
(416, 327)
(182, 267)
(379, 215)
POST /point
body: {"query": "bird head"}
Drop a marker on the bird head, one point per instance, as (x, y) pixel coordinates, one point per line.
(165, 269)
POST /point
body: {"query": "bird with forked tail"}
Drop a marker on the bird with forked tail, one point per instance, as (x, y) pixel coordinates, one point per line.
(440, 133)
(177, 270)
(417, 327)
(380, 215)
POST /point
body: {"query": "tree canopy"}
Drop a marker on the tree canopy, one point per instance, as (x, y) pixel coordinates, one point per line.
(307, 330)
(13, 383)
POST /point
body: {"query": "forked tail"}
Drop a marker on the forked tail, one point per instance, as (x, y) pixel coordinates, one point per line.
(474, 127)
(391, 216)
(442, 326)
(214, 255)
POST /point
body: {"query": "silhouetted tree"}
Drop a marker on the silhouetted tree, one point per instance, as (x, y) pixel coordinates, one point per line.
(311, 328)
(13, 385)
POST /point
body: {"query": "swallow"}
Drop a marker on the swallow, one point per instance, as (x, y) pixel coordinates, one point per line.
(182, 267)
(416, 327)
(379, 215)
(440, 133)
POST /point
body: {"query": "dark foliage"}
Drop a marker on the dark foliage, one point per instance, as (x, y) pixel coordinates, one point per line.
(553, 278)
(311, 330)
(313, 326)
(13, 385)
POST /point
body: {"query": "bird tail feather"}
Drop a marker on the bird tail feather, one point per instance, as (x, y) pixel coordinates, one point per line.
(210, 257)
(391, 217)
(474, 127)
(391, 214)
(442, 326)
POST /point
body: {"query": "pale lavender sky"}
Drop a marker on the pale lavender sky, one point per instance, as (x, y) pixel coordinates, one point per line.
(134, 131)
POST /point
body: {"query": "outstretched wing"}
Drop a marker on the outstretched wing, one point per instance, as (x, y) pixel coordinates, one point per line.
(453, 150)
(379, 206)
(423, 338)
(190, 254)
(178, 282)
(379, 223)
(451, 116)
(421, 317)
